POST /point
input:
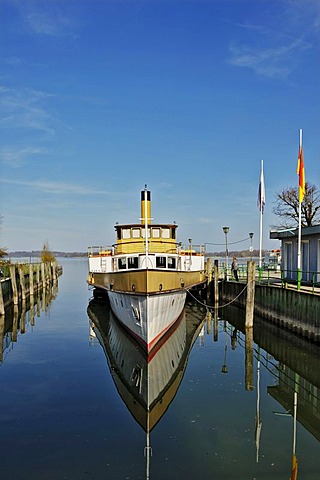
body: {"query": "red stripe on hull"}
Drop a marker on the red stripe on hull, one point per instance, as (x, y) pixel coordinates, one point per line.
(151, 347)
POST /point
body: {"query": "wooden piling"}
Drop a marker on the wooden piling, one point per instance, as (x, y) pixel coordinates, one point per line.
(250, 294)
(1, 336)
(31, 285)
(209, 278)
(43, 275)
(14, 284)
(43, 299)
(216, 284)
(31, 311)
(209, 322)
(38, 304)
(249, 359)
(23, 318)
(215, 325)
(2, 310)
(38, 276)
(54, 271)
(22, 283)
(14, 336)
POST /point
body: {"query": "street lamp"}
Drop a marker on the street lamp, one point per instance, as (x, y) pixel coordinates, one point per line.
(190, 252)
(225, 231)
(251, 247)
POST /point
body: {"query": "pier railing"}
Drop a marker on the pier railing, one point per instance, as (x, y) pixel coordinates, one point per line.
(282, 278)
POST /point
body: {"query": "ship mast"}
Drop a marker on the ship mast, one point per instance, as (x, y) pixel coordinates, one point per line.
(146, 222)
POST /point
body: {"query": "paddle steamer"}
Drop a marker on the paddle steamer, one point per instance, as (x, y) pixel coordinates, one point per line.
(146, 275)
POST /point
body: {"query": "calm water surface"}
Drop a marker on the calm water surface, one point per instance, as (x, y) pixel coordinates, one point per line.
(226, 411)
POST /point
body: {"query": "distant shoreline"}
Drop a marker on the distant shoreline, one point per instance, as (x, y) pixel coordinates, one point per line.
(37, 254)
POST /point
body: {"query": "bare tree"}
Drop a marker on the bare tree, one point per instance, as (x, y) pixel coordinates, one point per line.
(287, 207)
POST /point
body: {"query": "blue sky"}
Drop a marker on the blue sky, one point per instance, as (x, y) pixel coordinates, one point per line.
(99, 98)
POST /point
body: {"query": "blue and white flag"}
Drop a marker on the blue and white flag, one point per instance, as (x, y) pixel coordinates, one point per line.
(262, 192)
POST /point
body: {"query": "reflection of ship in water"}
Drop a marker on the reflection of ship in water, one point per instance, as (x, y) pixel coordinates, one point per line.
(146, 383)
(17, 318)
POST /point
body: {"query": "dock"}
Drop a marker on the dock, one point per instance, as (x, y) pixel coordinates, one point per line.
(23, 280)
(277, 301)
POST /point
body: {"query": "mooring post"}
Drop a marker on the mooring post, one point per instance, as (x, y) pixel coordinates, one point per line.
(22, 282)
(43, 275)
(23, 318)
(249, 359)
(1, 336)
(37, 276)
(2, 310)
(215, 325)
(38, 304)
(31, 311)
(14, 284)
(55, 270)
(15, 323)
(209, 321)
(209, 278)
(216, 283)
(31, 287)
(43, 299)
(250, 294)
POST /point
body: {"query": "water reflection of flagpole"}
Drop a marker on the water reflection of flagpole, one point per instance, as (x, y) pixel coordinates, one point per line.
(294, 474)
(258, 424)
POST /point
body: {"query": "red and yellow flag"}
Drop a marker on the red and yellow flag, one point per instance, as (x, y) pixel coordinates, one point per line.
(301, 173)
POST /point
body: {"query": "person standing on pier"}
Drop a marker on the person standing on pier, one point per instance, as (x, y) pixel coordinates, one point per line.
(234, 268)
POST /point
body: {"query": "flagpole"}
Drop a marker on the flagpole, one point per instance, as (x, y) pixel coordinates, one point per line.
(261, 200)
(299, 275)
(260, 238)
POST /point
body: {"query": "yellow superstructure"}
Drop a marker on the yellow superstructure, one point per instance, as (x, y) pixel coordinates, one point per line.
(146, 258)
(131, 238)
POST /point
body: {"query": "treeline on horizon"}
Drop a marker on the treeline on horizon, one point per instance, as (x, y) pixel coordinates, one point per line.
(37, 253)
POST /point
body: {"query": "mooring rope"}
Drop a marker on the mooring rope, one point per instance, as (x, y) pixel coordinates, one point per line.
(220, 306)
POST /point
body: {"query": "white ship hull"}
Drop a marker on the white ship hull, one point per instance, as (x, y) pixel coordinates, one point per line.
(147, 317)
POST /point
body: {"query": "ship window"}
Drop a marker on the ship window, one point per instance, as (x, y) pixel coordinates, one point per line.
(143, 232)
(166, 233)
(161, 262)
(133, 262)
(156, 232)
(126, 233)
(122, 263)
(171, 262)
(136, 233)
(173, 233)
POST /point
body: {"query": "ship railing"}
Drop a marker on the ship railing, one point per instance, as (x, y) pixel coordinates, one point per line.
(158, 246)
(191, 249)
(98, 250)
